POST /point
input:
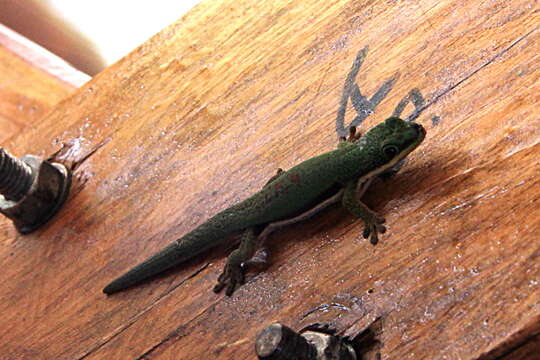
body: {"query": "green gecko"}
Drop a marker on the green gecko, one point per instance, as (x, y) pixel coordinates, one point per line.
(289, 197)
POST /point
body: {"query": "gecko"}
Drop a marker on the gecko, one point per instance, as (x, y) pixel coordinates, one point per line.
(341, 175)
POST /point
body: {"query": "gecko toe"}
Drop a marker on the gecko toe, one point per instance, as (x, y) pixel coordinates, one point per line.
(221, 281)
(367, 231)
(373, 229)
(218, 287)
(231, 277)
(374, 239)
(230, 289)
(236, 279)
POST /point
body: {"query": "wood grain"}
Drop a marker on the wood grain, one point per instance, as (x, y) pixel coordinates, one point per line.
(32, 81)
(202, 114)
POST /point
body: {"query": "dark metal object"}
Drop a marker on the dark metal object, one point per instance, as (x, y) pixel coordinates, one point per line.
(33, 190)
(278, 342)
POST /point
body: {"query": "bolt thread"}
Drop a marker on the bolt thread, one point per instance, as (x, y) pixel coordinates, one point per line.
(15, 176)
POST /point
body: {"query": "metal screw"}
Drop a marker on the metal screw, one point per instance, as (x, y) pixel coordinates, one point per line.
(278, 342)
(15, 176)
(33, 190)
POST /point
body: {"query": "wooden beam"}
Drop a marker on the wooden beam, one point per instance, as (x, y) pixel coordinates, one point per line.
(201, 115)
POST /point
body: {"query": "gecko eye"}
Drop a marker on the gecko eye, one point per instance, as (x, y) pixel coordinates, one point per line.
(390, 150)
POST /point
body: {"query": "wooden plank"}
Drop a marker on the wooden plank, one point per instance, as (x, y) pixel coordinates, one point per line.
(32, 81)
(202, 114)
(40, 58)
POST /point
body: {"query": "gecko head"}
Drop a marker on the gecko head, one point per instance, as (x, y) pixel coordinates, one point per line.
(394, 139)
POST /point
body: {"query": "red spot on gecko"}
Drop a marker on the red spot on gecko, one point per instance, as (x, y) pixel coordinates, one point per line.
(295, 178)
(278, 187)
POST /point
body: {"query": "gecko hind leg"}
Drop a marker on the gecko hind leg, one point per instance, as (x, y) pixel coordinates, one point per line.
(248, 255)
(233, 273)
(260, 259)
(253, 252)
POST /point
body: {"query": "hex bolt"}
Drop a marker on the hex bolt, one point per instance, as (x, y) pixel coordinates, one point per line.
(33, 190)
(278, 342)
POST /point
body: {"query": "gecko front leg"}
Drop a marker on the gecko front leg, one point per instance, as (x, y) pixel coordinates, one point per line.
(373, 222)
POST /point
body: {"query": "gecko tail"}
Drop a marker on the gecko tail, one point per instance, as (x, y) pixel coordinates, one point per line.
(168, 257)
(206, 236)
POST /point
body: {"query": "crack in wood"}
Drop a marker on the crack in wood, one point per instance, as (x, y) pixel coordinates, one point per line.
(175, 334)
(467, 77)
(137, 316)
(71, 149)
(527, 334)
(535, 338)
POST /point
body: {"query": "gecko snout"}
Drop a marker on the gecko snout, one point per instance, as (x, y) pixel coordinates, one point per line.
(419, 129)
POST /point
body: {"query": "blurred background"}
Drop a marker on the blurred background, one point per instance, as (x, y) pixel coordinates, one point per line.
(90, 35)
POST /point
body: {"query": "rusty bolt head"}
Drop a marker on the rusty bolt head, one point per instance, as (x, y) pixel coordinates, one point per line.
(279, 342)
(329, 347)
(49, 190)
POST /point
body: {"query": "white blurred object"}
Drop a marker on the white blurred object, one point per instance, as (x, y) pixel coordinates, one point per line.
(117, 27)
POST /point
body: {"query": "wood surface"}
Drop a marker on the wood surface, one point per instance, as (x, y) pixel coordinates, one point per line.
(202, 114)
(32, 81)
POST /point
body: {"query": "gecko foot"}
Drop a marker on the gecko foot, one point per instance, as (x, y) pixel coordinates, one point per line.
(259, 261)
(232, 275)
(373, 227)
